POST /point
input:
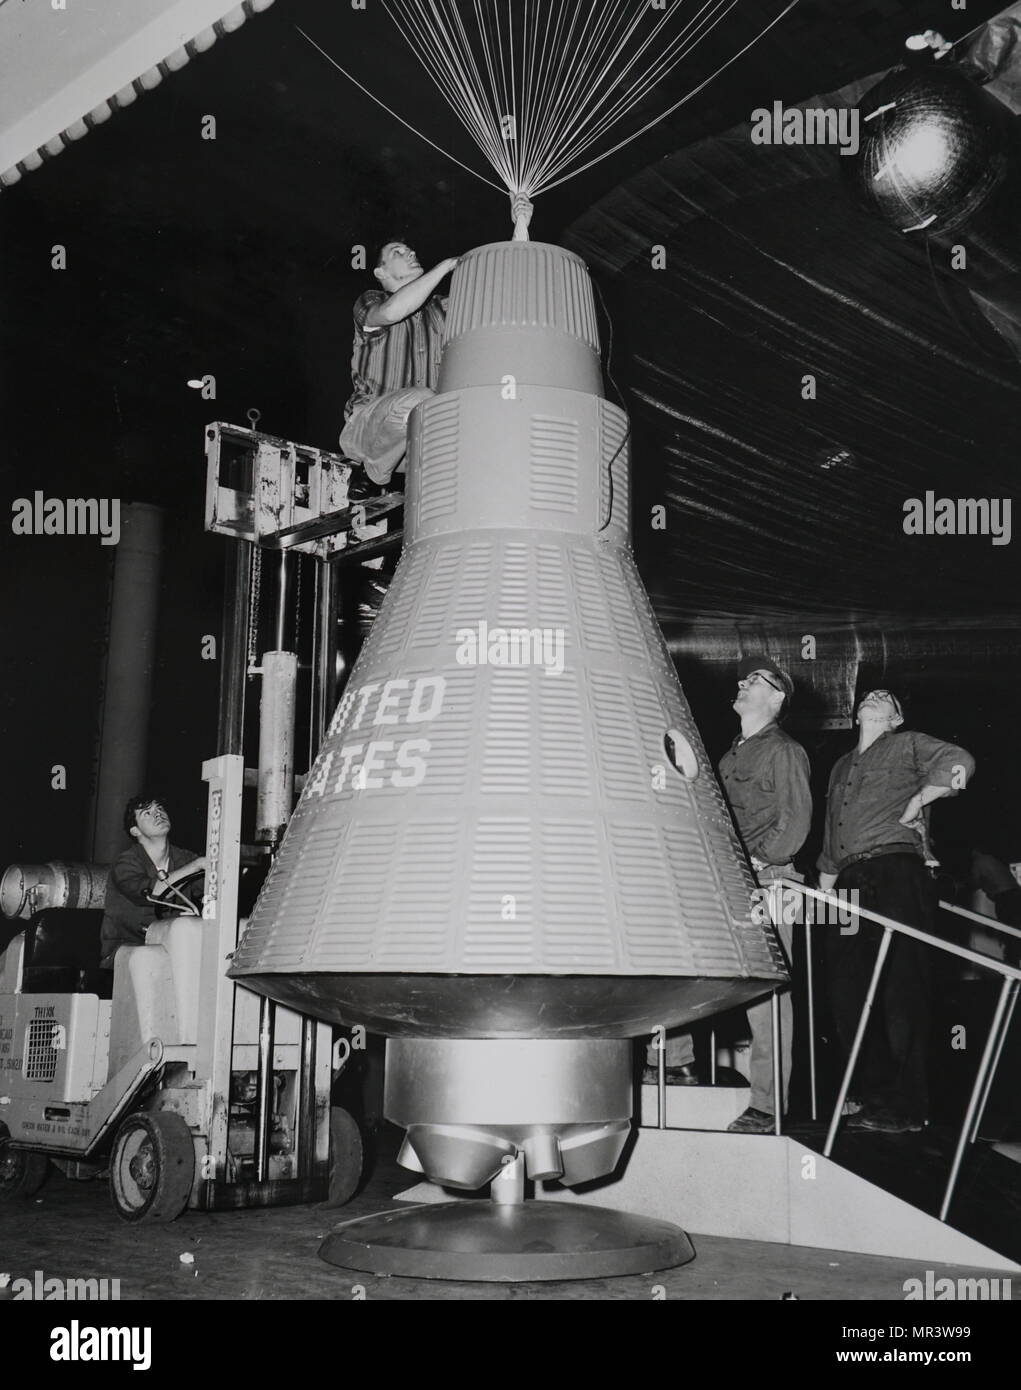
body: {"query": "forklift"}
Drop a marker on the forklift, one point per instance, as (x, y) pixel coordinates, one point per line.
(188, 1089)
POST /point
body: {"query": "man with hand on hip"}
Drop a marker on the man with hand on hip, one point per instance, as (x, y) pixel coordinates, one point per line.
(875, 848)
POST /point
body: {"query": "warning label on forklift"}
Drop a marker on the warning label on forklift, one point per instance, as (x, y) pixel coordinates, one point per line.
(212, 894)
(7, 1062)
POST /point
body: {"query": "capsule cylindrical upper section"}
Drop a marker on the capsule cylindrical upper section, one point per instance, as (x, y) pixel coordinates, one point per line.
(519, 434)
(542, 458)
(521, 313)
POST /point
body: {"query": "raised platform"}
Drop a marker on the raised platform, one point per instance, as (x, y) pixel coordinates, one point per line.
(764, 1188)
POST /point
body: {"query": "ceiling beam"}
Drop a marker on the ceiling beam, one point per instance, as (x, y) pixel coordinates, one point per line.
(65, 68)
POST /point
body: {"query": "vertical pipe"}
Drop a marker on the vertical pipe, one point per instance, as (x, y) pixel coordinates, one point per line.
(777, 1068)
(275, 797)
(281, 623)
(996, 1062)
(852, 1061)
(712, 1056)
(237, 590)
(305, 1122)
(811, 1007)
(776, 916)
(126, 689)
(508, 1187)
(1008, 989)
(324, 669)
(264, 1089)
(324, 662)
(661, 1080)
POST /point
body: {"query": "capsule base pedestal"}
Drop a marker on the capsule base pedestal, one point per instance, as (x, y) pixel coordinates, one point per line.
(493, 1241)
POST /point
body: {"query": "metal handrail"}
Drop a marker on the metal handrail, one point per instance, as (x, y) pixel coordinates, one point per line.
(991, 1053)
(964, 952)
(1002, 1017)
(987, 923)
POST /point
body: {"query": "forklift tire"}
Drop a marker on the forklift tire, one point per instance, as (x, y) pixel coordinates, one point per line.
(152, 1166)
(347, 1157)
(21, 1173)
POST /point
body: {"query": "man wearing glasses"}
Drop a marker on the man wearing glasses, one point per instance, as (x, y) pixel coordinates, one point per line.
(875, 846)
(765, 775)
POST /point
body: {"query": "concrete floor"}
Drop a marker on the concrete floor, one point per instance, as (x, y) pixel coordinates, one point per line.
(70, 1230)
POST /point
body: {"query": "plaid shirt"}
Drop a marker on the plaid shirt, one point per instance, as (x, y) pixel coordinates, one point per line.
(392, 359)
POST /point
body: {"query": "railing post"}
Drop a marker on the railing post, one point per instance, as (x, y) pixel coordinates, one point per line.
(1007, 995)
(775, 892)
(661, 1079)
(811, 1007)
(777, 1068)
(996, 1062)
(852, 1061)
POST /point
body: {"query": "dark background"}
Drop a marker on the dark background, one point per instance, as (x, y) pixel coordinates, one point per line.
(233, 257)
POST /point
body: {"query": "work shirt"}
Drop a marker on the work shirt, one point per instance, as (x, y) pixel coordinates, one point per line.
(126, 911)
(765, 778)
(395, 357)
(869, 792)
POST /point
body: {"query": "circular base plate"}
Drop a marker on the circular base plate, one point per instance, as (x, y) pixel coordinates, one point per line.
(485, 1240)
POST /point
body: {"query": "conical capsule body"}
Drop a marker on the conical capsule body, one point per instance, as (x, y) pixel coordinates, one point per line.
(512, 829)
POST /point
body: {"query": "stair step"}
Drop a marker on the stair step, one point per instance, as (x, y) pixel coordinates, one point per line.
(694, 1107)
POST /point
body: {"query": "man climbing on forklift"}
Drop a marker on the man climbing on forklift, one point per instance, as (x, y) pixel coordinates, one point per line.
(396, 354)
(149, 870)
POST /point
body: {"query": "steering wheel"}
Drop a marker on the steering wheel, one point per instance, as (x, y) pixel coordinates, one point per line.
(172, 896)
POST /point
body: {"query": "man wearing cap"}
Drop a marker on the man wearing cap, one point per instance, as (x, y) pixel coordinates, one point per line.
(875, 847)
(765, 776)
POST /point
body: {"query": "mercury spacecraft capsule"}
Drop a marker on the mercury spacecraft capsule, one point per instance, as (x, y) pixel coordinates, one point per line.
(511, 855)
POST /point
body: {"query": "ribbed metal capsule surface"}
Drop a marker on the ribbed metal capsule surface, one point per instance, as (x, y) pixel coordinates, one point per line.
(495, 840)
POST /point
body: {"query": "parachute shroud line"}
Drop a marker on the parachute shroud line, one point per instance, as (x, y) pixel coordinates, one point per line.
(538, 83)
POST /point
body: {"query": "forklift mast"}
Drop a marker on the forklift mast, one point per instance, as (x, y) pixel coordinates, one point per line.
(190, 1089)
